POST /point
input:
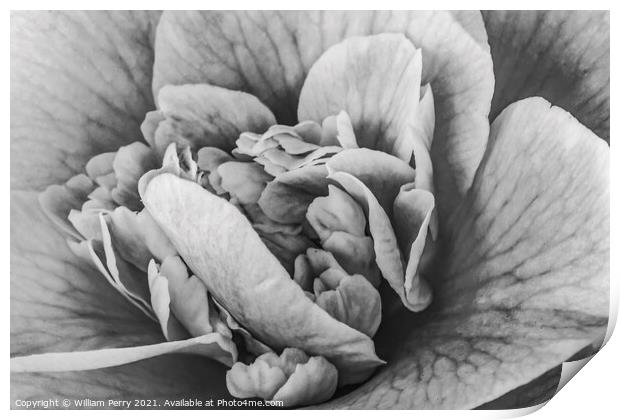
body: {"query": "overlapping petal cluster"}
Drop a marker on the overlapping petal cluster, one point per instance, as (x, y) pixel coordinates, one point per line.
(261, 238)
(311, 212)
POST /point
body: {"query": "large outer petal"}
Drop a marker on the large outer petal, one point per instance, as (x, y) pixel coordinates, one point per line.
(562, 56)
(80, 85)
(527, 283)
(269, 54)
(471, 21)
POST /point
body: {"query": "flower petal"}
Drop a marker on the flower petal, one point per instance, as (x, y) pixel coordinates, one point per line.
(128, 281)
(287, 197)
(340, 224)
(243, 180)
(355, 302)
(310, 383)
(256, 380)
(336, 212)
(138, 237)
(285, 246)
(380, 102)
(382, 173)
(189, 299)
(160, 302)
(130, 162)
(252, 345)
(57, 201)
(86, 223)
(413, 209)
(415, 296)
(219, 245)
(562, 56)
(471, 21)
(269, 54)
(209, 158)
(422, 130)
(80, 85)
(204, 115)
(292, 378)
(46, 256)
(526, 285)
(204, 345)
(59, 304)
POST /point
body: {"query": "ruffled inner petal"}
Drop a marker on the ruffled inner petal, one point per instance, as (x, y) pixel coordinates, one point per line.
(382, 173)
(311, 383)
(388, 256)
(287, 197)
(292, 378)
(57, 201)
(160, 302)
(340, 224)
(130, 162)
(355, 302)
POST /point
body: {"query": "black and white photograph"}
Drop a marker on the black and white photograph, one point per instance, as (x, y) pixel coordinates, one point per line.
(321, 209)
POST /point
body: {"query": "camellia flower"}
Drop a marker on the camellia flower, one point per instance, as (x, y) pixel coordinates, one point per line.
(310, 207)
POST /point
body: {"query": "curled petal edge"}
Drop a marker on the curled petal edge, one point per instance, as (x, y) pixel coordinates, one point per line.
(414, 294)
(98, 359)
